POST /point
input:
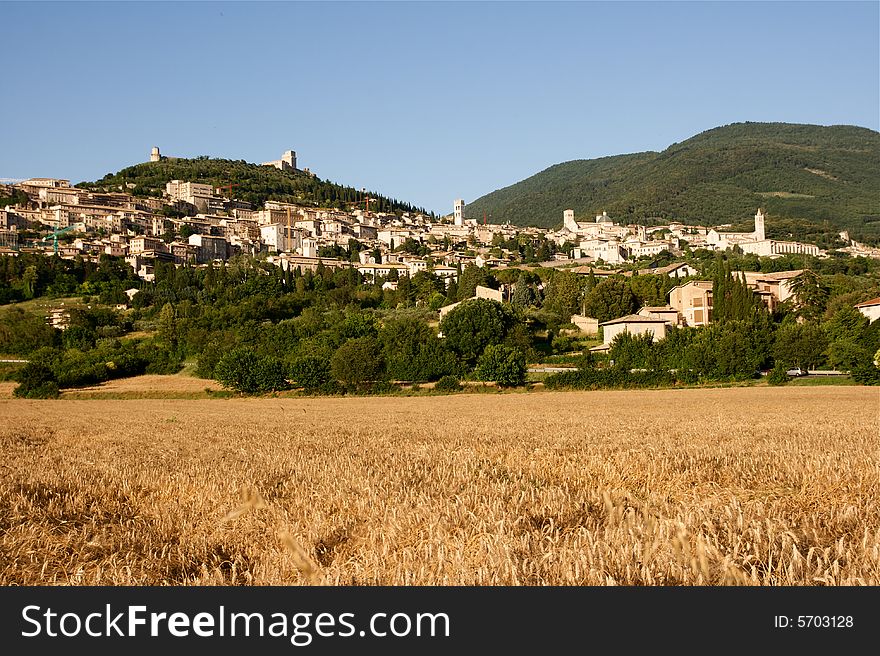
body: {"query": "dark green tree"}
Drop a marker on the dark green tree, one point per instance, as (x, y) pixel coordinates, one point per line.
(810, 295)
(610, 299)
(472, 276)
(358, 361)
(800, 345)
(310, 372)
(503, 364)
(563, 294)
(244, 371)
(36, 381)
(475, 324)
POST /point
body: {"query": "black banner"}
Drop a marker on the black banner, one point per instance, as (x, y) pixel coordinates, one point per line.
(419, 620)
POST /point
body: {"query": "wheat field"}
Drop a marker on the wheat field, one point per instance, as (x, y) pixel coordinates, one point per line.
(755, 486)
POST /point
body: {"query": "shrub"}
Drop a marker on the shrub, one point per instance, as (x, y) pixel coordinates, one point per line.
(475, 324)
(23, 332)
(36, 381)
(207, 361)
(563, 343)
(613, 378)
(503, 364)
(310, 372)
(159, 359)
(777, 376)
(866, 374)
(245, 371)
(448, 384)
(358, 361)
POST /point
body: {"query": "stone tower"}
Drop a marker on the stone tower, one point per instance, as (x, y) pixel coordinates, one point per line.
(154, 154)
(458, 212)
(289, 158)
(759, 225)
(568, 221)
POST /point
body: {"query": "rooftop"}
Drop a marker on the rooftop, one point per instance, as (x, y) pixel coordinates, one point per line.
(659, 308)
(633, 318)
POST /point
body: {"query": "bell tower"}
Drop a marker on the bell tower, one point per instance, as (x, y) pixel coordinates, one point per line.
(759, 225)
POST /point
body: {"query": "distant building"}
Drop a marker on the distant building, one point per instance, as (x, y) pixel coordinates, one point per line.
(724, 240)
(677, 270)
(210, 248)
(286, 163)
(279, 237)
(44, 182)
(870, 309)
(634, 324)
(665, 312)
(458, 212)
(180, 190)
(693, 301)
(154, 154)
(480, 292)
(585, 324)
(777, 285)
(756, 242)
(140, 245)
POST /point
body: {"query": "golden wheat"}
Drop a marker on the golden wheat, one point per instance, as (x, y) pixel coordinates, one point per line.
(768, 486)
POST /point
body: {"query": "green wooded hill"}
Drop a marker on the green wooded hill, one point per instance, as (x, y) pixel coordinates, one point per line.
(254, 184)
(818, 179)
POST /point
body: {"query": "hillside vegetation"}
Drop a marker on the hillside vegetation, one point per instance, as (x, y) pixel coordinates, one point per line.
(253, 183)
(819, 179)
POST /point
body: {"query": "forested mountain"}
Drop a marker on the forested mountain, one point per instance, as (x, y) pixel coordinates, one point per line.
(253, 183)
(818, 179)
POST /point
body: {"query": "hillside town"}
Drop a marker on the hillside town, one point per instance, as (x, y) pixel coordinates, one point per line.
(210, 226)
(213, 226)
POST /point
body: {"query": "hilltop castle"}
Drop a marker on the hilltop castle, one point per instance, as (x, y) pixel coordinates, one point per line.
(286, 163)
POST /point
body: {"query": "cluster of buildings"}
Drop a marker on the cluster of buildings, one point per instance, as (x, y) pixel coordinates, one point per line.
(691, 304)
(602, 239)
(194, 222)
(215, 227)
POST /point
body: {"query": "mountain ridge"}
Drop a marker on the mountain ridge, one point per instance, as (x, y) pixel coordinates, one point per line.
(825, 176)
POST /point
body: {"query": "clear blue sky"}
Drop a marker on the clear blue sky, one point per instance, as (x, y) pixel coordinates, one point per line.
(425, 102)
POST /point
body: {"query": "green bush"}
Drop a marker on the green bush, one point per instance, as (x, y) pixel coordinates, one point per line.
(503, 364)
(36, 381)
(866, 374)
(448, 384)
(310, 372)
(777, 376)
(245, 371)
(23, 332)
(475, 324)
(613, 378)
(563, 344)
(358, 361)
(159, 358)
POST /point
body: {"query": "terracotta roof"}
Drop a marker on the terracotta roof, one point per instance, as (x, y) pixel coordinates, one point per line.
(669, 268)
(779, 275)
(585, 269)
(873, 301)
(633, 318)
